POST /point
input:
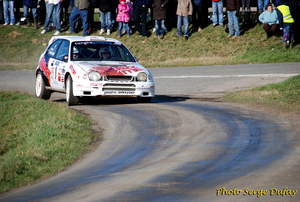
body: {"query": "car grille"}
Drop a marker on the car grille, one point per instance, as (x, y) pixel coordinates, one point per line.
(118, 85)
(118, 78)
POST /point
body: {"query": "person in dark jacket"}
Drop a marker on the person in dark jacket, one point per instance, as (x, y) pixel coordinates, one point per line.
(80, 8)
(294, 6)
(198, 17)
(159, 15)
(140, 16)
(32, 4)
(233, 8)
(105, 8)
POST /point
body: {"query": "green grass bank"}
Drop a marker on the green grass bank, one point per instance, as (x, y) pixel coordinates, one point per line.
(38, 138)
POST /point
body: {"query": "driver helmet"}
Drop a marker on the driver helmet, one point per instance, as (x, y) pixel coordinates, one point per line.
(105, 52)
(75, 50)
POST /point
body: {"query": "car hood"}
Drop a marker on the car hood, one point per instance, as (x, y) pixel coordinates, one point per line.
(112, 68)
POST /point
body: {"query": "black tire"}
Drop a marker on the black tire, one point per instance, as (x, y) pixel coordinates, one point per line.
(144, 99)
(70, 98)
(40, 89)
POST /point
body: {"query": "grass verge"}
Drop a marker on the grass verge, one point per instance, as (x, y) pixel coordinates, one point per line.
(38, 138)
(284, 96)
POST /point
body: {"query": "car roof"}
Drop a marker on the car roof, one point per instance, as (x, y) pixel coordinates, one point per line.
(83, 38)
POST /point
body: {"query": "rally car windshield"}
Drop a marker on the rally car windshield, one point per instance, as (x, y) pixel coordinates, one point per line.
(100, 51)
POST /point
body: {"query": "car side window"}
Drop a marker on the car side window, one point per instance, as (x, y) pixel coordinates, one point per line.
(63, 50)
(53, 48)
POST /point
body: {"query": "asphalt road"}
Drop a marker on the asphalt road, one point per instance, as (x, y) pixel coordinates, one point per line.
(178, 148)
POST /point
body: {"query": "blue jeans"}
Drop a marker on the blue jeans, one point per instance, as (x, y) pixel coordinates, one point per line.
(261, 4)
(233, 19)
(9, 18)
(33, 10)
(106, 20)
(185, 25)
(217, 12)
(160, 24)
(53, 12)
(84, 16)
(125, 26)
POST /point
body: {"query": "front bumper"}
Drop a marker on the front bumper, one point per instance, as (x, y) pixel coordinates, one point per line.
(122, 89)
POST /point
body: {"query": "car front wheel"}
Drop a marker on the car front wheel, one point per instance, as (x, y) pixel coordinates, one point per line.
(40, 89)
(70, 98)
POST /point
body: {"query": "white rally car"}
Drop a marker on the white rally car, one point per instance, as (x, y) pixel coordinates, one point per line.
(89, 67)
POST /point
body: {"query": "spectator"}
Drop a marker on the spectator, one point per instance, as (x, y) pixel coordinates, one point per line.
(261, 4)
(198, 17)
(123, 17)
(32, 4)
(131, 13)
(159, 15)
(53, 11)
(286, 22)
(140, 15)
(18, 5)
(80, 9)
(246, 3)
(41, 12)
(270, 20)
(64, 17)
(295, 11)
(217, 13)
(184, 10)
(9, 17)
(233, 8)
(105, 8)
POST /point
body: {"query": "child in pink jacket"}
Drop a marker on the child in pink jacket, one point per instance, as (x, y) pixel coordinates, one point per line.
(123, 17)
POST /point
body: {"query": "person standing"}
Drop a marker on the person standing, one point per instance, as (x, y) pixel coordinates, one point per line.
(159, 15)
(246, 3)
(9, 17)
(184, 10)
(270, 20)
(80, 8)
(217, 13)
(105, 8)
(233, 8)
(286, 22)
(32, 4)
(140, 16)
(198, 14)
(53, 12)
(123, 17)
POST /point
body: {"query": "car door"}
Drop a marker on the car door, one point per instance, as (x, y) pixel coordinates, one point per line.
(58, 65)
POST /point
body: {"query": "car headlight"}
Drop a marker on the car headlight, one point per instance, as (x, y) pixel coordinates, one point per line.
(94, 76)
(142, 76)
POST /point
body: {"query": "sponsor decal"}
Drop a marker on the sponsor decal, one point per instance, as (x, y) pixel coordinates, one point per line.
(116, 70)
(95, 84)
(118, 93)
(78, 85)
(72, 69)
(44, 67)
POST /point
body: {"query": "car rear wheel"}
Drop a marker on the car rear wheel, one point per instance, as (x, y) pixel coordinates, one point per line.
(40, 89)
(145, 99)
(70, 98)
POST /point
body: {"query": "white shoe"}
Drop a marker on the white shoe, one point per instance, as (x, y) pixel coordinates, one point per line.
(154, 30)
(56, 33)
(43, 32)
(11, 24)
(5, 24)
(108, 32)
(18, 23)
(101, 31)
